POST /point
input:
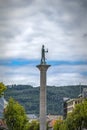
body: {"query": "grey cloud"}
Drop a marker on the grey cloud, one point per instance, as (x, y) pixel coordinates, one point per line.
(61, 25)
(85, 35)
(55, 75)
(15, 3)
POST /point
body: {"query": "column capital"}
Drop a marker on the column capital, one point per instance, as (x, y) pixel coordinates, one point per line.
(42, 67)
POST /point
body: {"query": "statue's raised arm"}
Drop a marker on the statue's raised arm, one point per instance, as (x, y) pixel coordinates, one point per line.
(43, 59)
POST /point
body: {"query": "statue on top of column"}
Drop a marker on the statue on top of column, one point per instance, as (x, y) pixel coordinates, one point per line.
(43, 51)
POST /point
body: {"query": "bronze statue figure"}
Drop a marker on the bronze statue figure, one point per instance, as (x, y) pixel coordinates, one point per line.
(43, 59)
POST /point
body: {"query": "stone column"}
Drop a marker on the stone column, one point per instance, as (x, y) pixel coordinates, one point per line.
(43, 69)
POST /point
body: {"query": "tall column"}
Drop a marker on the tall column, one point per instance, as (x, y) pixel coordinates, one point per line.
(43, 69)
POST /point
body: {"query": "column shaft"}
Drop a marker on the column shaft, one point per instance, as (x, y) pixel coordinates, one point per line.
(43, 100)
(43, 70)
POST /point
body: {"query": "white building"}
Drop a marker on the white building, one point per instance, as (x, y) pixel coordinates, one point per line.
(3, 104)
(72, 102)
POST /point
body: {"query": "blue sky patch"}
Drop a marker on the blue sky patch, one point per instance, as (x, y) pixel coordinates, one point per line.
(24, 62)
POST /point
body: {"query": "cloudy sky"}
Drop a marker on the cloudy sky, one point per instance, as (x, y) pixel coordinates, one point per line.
(61, 25)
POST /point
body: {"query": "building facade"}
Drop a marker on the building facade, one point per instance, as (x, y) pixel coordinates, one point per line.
(69, 104)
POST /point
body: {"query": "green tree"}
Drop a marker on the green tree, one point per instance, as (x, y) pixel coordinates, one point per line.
(64, 126)
(70, 122)
(34, 125)
(57, 125)
(15, 116)
(2, 88)
(80, 115)
(75, 120)
(78, 118)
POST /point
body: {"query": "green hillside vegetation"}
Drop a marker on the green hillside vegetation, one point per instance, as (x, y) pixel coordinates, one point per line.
(28, 96)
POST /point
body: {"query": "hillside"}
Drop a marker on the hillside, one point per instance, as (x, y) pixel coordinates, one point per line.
(28, 96)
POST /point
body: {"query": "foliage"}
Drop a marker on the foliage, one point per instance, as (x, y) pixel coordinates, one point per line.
(57, 125)
(80, 115)
(2, 88)
(34, 125)
(63, 126)
(75, 120)
(15, 116)
(28, 97)
(78, 118)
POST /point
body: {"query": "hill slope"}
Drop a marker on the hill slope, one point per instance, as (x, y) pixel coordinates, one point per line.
(28, 96)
